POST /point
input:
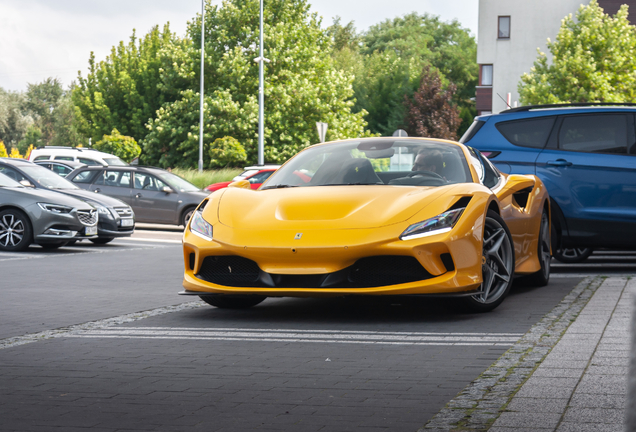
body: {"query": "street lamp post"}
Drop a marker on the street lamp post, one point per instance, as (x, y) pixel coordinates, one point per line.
(261, 92)
(201, 90)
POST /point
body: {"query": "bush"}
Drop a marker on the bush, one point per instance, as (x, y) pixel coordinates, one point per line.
(3, 150)
(206, 177)
(225, 152)
(125, 147)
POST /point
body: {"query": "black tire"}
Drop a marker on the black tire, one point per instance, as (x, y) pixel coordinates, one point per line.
(542, 277)
(16, 233)
(186, 215)
(71, 243)
(572, 255)
(498, 266)
(226, 301)
(52, 246)
(102, 240)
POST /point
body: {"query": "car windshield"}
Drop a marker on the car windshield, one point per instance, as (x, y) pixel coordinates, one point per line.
(6, 181)
(178, 183)
(377, 161)
(115, 161)
(47, 178)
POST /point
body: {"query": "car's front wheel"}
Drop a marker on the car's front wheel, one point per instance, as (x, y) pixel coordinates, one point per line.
(225, 301)
(16, 233)
(572, 255)
(498, 266)
(187, 214)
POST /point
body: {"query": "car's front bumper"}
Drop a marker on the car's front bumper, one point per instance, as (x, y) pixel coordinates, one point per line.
(451, 261)
(112, 228)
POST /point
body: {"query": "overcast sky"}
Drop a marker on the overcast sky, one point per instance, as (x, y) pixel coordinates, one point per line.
(42, 38)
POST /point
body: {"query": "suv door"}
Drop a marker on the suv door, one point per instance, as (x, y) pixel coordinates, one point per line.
(114, 183)
(151, 203)
(589, 167)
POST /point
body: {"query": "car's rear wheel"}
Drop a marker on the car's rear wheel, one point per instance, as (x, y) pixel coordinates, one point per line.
(542, 277)
(102, 240)
(572, 255)
(498, 266)
(225, 301)
(16, 233)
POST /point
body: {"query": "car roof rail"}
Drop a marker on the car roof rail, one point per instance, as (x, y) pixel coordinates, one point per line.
(65, 148)
(566, 105)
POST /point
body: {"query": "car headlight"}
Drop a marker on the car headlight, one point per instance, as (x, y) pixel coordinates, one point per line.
(200, 227)
(439, 224)
(102, 210)
(55, 208)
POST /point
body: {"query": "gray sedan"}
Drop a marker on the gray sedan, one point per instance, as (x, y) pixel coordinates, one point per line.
(156, 195)
(47, 218)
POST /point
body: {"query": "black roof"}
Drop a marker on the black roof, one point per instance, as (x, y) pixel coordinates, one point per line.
(568, 105)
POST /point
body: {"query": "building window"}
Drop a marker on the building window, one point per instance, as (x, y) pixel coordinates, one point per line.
(503, 27)
(485, 75)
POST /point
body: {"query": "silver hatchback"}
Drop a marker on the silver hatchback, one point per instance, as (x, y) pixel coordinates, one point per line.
(40, 216)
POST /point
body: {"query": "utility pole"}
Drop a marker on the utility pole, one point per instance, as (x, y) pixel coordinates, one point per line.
(201, 91)
(261, 93)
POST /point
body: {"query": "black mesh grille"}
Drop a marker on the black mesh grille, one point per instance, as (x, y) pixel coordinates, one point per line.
(387, 270)
(229, 271)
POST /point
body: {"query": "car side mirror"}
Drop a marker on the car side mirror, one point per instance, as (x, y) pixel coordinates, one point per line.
(245, 184)
(167, 189)
(26, 183)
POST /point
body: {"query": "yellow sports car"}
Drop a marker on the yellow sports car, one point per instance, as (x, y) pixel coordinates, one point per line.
(372, 216)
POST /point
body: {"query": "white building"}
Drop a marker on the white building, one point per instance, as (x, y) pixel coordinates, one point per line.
(510, 31)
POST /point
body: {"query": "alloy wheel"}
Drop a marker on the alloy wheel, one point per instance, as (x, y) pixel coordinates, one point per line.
(544, 250)
(11, 230)
(497, 263)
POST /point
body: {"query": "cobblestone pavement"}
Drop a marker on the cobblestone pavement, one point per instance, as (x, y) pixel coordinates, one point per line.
(568, 373)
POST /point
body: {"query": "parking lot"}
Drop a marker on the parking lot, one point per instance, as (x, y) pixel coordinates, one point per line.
(110, 346)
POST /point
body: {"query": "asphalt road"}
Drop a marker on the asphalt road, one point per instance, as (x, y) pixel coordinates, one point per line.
(76, 354)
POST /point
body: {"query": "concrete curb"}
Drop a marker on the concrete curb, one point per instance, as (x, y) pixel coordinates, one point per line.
(479, 405)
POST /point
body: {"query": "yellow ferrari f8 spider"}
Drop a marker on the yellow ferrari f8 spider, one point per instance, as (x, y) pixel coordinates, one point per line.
(373, 216)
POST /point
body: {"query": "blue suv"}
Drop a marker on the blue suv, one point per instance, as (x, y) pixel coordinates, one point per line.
(585, 155)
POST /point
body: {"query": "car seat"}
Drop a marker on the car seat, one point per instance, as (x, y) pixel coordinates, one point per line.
(329, 168)
(357, 171)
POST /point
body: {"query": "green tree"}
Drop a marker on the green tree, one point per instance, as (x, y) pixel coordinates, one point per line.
(32, 137)
(42, 100)
(123, 91)
(391, 57)
(592, 61)
(120, 145)
(302, 85)
(226, 152)
(14, 117)
(431, 111)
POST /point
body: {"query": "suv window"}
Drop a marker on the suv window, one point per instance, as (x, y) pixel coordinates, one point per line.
(91, 162)
(64, 158)
(527, 133)
(41, 158)
(86, 176)
(594, 134)
(148, 182)
(114, 178)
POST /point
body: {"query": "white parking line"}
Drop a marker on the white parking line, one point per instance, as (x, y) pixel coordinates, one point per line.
(314, 336)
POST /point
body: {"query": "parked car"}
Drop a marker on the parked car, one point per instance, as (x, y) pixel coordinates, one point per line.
(116, 218)
(155, 195)
(86, 156)
(256, 175)
(585, 155)
(447, 224)
(41, 216)
(61, 168)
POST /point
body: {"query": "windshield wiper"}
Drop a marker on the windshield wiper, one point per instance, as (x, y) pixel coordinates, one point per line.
(279, 186)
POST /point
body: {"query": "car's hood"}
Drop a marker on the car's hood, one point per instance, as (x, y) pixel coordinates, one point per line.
(93, 197)
(324, 207)
(51, 197)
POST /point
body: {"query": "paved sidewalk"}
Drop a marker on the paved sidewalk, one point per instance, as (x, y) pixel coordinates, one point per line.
(569, 373)
(582, 383)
